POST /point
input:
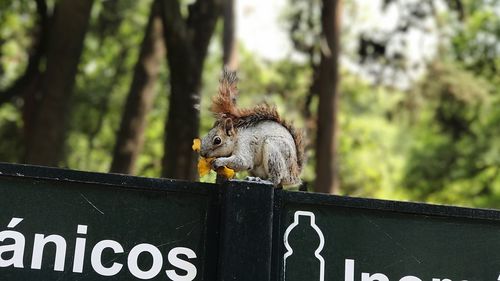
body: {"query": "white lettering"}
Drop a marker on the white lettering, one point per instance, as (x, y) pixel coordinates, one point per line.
(349, 270)
(96, 258)
(349, 275)
(17, 247)
(12, 248)
(410, 278)
(39, 245)
(373, 277)
(134, 255)
(79, 250)
(182, 264)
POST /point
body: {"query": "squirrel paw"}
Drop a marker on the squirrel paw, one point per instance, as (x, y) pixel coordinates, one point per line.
(257, 179)
(217, 163)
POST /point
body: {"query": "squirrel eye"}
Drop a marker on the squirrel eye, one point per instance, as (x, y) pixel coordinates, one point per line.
(217, 141)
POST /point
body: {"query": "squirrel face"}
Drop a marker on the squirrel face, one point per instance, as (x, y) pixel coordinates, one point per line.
(220, 141)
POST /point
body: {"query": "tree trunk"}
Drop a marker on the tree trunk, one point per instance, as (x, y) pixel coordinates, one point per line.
(327, 171)
(229, 42)
(183, 123)
(45, 143)
(130, 138)
(187, 43)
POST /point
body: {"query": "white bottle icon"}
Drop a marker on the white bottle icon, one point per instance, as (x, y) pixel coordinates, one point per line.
(289, 249)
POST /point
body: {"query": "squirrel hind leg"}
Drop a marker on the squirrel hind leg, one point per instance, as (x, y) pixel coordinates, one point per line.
(274, 164)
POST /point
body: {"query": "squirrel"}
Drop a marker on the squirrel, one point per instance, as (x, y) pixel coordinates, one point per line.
(256, 139)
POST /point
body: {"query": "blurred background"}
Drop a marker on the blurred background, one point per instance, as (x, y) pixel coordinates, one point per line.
(400, 99)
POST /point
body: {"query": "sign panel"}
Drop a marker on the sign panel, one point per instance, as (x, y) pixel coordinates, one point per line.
(340, 239)
(66, 225)
(74, 230)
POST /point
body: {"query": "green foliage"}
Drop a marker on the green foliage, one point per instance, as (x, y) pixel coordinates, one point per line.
(17, 25)
(457, 148)
(102, 84)
(439, 141)
(455, 156)
(476, 43)
(10, 126)
(373, 143)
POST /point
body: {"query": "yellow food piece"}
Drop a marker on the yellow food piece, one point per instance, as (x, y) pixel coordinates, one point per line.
(226, 172)
(204, 165)
(196, 145)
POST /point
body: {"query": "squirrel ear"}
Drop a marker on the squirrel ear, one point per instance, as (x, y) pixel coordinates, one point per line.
(228, 126)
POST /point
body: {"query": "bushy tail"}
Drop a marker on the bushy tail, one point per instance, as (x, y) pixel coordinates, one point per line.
(224, 104)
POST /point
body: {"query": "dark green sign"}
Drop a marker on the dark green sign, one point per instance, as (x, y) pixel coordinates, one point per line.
(53, 229)
(339, 239)
(67, 225)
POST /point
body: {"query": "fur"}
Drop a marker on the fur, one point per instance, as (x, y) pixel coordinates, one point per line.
(224, 106)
